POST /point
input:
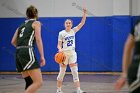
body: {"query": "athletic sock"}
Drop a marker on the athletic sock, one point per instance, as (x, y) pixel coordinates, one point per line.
(28, 81)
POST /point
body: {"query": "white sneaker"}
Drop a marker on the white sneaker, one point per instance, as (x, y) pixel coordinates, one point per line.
(58, 91)
(80, 91)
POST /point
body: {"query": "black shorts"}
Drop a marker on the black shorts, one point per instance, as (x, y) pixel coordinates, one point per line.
(134, 77)
(25, 59)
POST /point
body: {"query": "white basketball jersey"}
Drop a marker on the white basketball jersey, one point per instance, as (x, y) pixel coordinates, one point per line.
(68, 39)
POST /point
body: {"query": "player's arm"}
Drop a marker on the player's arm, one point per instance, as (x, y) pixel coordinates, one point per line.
(59, 46)
(82, 21)
(127, 59)
(37, 27)
(60, 40)
(14, 39)
(127, 55)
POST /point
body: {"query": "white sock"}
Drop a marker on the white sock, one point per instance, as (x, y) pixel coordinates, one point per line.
(59, 88)
(78, 88)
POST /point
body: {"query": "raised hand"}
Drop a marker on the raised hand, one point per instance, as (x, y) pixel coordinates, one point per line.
(85, 10)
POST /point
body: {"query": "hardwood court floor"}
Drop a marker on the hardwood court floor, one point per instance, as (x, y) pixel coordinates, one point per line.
(96, 83)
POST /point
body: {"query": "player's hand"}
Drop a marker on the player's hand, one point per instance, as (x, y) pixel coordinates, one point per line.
(60, 50)
(42, 61)
(62, 65)
(120, 83)
(84, 10)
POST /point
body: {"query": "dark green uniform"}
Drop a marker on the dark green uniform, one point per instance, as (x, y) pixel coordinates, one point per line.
(25, 57)
(134, 68)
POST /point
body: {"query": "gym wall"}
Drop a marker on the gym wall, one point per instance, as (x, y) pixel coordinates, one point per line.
(99, 44)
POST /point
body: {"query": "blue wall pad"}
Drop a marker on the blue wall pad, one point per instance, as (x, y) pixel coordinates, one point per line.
(99, 44)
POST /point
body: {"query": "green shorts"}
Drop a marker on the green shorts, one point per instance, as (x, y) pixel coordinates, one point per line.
(134, 76)
(26, 60)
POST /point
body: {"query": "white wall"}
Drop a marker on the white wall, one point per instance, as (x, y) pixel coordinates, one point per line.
(65, 8)
(135, 7)
(121, 7)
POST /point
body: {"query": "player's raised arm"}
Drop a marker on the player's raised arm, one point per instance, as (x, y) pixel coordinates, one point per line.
(82, 21)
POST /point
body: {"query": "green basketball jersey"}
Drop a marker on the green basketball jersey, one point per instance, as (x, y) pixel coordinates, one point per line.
(26, 34)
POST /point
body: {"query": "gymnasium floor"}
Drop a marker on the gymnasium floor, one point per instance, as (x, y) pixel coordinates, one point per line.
(91, 83)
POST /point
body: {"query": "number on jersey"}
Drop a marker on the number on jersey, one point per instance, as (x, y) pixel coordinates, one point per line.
(22, 31)
(69, 43)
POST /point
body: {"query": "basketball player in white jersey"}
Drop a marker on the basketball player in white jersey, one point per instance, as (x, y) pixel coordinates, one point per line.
(66, 44)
